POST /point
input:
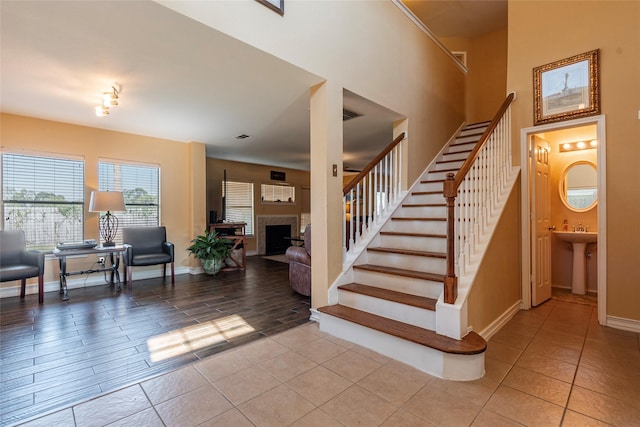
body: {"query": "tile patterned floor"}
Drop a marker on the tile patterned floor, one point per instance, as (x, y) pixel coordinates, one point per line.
(550, 366)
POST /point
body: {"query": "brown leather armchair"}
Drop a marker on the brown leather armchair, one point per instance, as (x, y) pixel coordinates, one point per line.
(17, 263)
(300, 264)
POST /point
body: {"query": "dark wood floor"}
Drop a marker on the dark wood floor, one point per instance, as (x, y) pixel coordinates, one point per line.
(64, 352)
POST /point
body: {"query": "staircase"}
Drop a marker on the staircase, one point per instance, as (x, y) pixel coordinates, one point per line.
(390, 297)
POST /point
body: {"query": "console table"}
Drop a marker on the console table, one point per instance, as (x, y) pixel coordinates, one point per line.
(113, 253)
(234, 231)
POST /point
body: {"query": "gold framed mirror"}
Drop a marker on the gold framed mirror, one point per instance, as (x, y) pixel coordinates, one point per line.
(579, 186)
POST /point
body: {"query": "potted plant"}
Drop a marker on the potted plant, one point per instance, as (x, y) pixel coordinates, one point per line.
(211, 250)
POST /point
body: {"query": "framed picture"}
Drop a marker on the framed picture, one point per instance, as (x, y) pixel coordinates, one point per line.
(275, 5)
(567, 89)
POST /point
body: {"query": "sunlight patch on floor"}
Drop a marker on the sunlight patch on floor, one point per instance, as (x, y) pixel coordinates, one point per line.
(192, 338)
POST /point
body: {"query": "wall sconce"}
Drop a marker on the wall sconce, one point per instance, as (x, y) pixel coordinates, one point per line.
(109, 99)
(578, 145)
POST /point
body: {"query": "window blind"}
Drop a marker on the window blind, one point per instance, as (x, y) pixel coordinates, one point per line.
(239, 203)
(278, 193)
(44, 196)
(141, 190)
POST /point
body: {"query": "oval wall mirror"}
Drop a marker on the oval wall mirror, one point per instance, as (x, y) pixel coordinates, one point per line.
(579, 186)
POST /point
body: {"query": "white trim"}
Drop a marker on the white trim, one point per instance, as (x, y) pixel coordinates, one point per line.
(429, 34)
(624, 324)
(497, 324)
(315, 315)
(525, 134)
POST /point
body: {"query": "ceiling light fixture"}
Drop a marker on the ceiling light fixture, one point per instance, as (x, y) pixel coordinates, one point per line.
(109, 99)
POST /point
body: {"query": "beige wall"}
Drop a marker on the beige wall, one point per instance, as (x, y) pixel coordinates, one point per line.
(181, 165)
(368, 47)
(538, 35)
(257, 174)
(486, 83)
(493, 294)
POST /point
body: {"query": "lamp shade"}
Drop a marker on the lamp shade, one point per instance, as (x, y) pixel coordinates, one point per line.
(106, 201)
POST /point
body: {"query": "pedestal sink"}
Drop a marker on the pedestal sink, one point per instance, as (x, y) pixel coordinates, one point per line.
(579, 240)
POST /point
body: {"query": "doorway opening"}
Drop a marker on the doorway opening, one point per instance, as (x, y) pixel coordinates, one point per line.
(535, 240)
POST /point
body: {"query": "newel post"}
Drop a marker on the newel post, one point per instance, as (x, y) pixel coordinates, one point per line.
(450, 281)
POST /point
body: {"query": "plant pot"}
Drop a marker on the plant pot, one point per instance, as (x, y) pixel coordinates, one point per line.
(211, 266)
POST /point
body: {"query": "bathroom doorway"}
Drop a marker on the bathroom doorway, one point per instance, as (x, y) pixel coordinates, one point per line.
(539, 223)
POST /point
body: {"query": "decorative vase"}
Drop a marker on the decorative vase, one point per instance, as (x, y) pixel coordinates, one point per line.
(211, 266)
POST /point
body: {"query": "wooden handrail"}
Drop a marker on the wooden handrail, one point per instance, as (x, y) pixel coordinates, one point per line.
(372, 164)
(451, 190)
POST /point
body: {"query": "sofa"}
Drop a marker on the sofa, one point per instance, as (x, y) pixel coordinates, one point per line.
(300, 264)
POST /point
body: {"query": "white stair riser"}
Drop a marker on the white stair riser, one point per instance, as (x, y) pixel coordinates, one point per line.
(431, 176)
(449, 165)
(408, 226)
(433, 362)
(467, 137)
(458, 148)
(422, 212)
(429, 244)
(409, 262)
(391, 310)
(479, 130)
(407, 285)
(425, 198)
(428, 186)
(454, 156)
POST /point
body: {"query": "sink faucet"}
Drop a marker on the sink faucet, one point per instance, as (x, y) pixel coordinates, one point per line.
(580, 227)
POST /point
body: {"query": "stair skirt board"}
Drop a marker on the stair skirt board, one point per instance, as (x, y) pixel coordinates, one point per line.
(402, 313)
(447, 366)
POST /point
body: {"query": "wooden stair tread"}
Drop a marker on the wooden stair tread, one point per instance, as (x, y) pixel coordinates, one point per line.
(466, 142)
(449, 161)
(423, 205)
(389, 295)
(425, 193)
(400, 233)
(469, 345)
(401, 272)
(409, 252)
(431, 181)
(399, 218)
(457, 152)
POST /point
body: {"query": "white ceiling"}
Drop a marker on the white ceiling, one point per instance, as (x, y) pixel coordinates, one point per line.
(179, 80)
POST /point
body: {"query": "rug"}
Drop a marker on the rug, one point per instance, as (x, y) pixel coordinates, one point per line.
(278, 258)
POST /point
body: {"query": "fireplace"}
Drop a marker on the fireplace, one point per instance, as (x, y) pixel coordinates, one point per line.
(262, 221)
(274, 239)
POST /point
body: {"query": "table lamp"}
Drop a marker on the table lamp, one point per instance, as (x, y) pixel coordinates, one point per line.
(107, 201)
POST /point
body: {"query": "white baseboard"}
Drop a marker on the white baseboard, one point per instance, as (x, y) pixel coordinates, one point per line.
(624, 324)
(502, 320)
(85, 282)
(315, 315)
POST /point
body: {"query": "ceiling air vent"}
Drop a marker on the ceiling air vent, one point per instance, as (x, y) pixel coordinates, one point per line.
(348, 115)
(243, 136)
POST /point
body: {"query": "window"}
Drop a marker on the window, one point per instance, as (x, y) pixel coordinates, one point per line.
(238, 203)
(44, 196)
(140, 185)
(278, 193)
(305, 219)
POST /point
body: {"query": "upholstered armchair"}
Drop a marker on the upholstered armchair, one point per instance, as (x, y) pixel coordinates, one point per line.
(146, 246)
(300, 264)
(17, 263)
